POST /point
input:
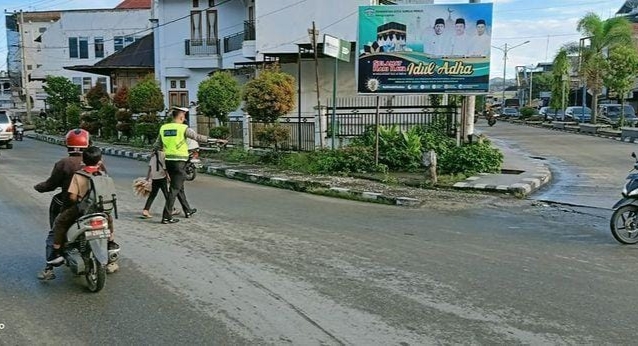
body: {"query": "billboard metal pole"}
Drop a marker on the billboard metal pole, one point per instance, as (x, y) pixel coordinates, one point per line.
(334, 103)
(376, 135)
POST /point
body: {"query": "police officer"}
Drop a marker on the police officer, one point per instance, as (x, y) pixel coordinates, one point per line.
(173, 139)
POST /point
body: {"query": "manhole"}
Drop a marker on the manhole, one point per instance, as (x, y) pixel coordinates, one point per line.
(511, 171)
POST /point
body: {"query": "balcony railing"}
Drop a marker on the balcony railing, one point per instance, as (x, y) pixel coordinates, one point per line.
(233, 42)
(249, 30)
(208, 46)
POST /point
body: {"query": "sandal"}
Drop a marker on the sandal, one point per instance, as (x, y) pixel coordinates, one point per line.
(146, 215)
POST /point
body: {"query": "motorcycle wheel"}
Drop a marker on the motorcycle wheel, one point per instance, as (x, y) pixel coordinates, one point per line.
(96, 276)
(491, 122)
(191, 172)
(624, 224)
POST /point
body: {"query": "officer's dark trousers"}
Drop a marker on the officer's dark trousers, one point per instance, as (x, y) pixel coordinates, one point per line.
(175, 170)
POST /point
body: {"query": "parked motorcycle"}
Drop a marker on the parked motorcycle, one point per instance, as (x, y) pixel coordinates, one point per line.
(624, 220)
(86, 252)
(193, 163)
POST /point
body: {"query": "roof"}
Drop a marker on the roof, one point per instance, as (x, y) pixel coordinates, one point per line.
(138, 55)
(627, 7)
(134, 4)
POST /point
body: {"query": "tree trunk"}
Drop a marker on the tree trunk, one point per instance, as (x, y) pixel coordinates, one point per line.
(621, 121)
(594, 105)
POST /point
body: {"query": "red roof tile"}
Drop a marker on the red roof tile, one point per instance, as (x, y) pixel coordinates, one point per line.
(134, 4)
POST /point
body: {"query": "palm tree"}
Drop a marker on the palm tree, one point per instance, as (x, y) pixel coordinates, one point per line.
(560, 78)
(602, 35)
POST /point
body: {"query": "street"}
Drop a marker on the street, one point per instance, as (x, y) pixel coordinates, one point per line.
(258, 265)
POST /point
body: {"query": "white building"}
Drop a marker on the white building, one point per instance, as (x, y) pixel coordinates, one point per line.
(55, 39)
(196, 37)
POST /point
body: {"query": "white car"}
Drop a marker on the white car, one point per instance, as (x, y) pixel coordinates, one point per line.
(6, 130)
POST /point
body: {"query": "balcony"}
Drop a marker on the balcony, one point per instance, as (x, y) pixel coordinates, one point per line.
(202, 47)
(248, 47)
(233, 42)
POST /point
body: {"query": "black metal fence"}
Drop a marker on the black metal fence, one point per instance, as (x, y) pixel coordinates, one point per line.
(207, 46)
(236, 132)
(354, 122)
(233, 42)
(302, 134)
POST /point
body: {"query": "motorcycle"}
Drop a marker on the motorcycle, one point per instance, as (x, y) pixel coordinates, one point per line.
(491, 119)
(624, 220)
(193, 163)
(18, 130)
(86, 251)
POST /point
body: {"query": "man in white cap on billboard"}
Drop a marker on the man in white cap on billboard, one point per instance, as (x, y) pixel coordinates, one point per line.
(481, 42)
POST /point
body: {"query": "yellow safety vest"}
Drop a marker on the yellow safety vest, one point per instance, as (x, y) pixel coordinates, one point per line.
(174, 140)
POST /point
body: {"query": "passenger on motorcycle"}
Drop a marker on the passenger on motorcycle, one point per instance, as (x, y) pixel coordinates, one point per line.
(78, 188)
(76, 141)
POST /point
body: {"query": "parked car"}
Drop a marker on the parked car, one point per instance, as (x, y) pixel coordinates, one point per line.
(575, 113)
(610, 114)
(551, 113)
(510, 112)
(6, 130)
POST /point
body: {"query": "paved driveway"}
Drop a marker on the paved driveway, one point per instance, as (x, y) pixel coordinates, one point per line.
(587, 171)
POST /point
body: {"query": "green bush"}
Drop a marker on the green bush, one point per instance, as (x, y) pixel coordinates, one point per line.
(272, 135)
(73, 112)
(527, 112)
(351, 159)
(220, 132)
(471, 158)
(398, 150)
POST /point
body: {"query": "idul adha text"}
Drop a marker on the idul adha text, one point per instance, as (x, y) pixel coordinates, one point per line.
(448, 68)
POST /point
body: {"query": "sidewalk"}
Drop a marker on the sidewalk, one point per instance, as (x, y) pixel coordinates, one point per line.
(531, 175)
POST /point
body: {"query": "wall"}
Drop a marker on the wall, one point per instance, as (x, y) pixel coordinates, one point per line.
(282, 23)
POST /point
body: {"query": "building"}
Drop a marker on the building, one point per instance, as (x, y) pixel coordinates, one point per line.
(55, 39)
(6, 100)
(195, 37)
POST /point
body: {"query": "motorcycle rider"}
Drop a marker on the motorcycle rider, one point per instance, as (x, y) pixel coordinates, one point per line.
(78, 189)
(77, 140)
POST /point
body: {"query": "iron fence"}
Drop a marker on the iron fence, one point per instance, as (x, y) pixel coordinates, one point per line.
(207, 46)
(233, 42)
(236, 129)
(302, 134)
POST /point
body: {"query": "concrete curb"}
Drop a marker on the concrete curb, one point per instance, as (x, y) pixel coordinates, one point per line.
(529, 182)
(599, 135)
(229, 172)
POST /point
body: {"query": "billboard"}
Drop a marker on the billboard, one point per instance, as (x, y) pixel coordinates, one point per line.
(424, 49)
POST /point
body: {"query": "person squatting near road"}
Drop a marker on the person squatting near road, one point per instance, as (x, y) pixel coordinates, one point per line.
(173, 139)
(159, 179)
(77, 140)
(78, 189)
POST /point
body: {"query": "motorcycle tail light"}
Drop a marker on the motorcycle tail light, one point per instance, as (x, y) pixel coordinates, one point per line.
(96, 223)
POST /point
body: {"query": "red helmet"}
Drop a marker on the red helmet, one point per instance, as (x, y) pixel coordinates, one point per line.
(77, 140)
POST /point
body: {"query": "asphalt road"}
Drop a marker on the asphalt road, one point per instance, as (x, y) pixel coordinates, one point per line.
(587, 171)
(259, 265)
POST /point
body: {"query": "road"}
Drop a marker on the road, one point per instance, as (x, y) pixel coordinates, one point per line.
(587, 171)
(259, 265)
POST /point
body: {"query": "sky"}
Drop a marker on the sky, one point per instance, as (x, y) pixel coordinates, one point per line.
(547, 24)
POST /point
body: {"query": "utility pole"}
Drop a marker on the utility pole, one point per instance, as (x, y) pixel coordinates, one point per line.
(314, 34)
(505, 50)
(25, 84)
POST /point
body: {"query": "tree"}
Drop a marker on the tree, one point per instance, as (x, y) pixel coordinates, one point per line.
(602, 35)
(269, 96)
(219, 95)
(120, 100)
(620, 70)
(560, 78)
(61, 94)
(146, 96)
(97, 97)
(542, 82)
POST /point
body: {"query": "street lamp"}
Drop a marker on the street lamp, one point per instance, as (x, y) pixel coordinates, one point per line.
(505, 50)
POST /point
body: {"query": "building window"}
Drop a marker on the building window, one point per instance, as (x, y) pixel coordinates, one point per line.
(173, 84)
(99, 47)
(77, 81)
(79, 47)
(196, 27)
(42, 30)
(211, 3)
(118, 43)
(178, 98)
(86, 84)
(211, 26)
(29, 67)
(73, 47)
(182, 84)
(195, 3)
(101, 80)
